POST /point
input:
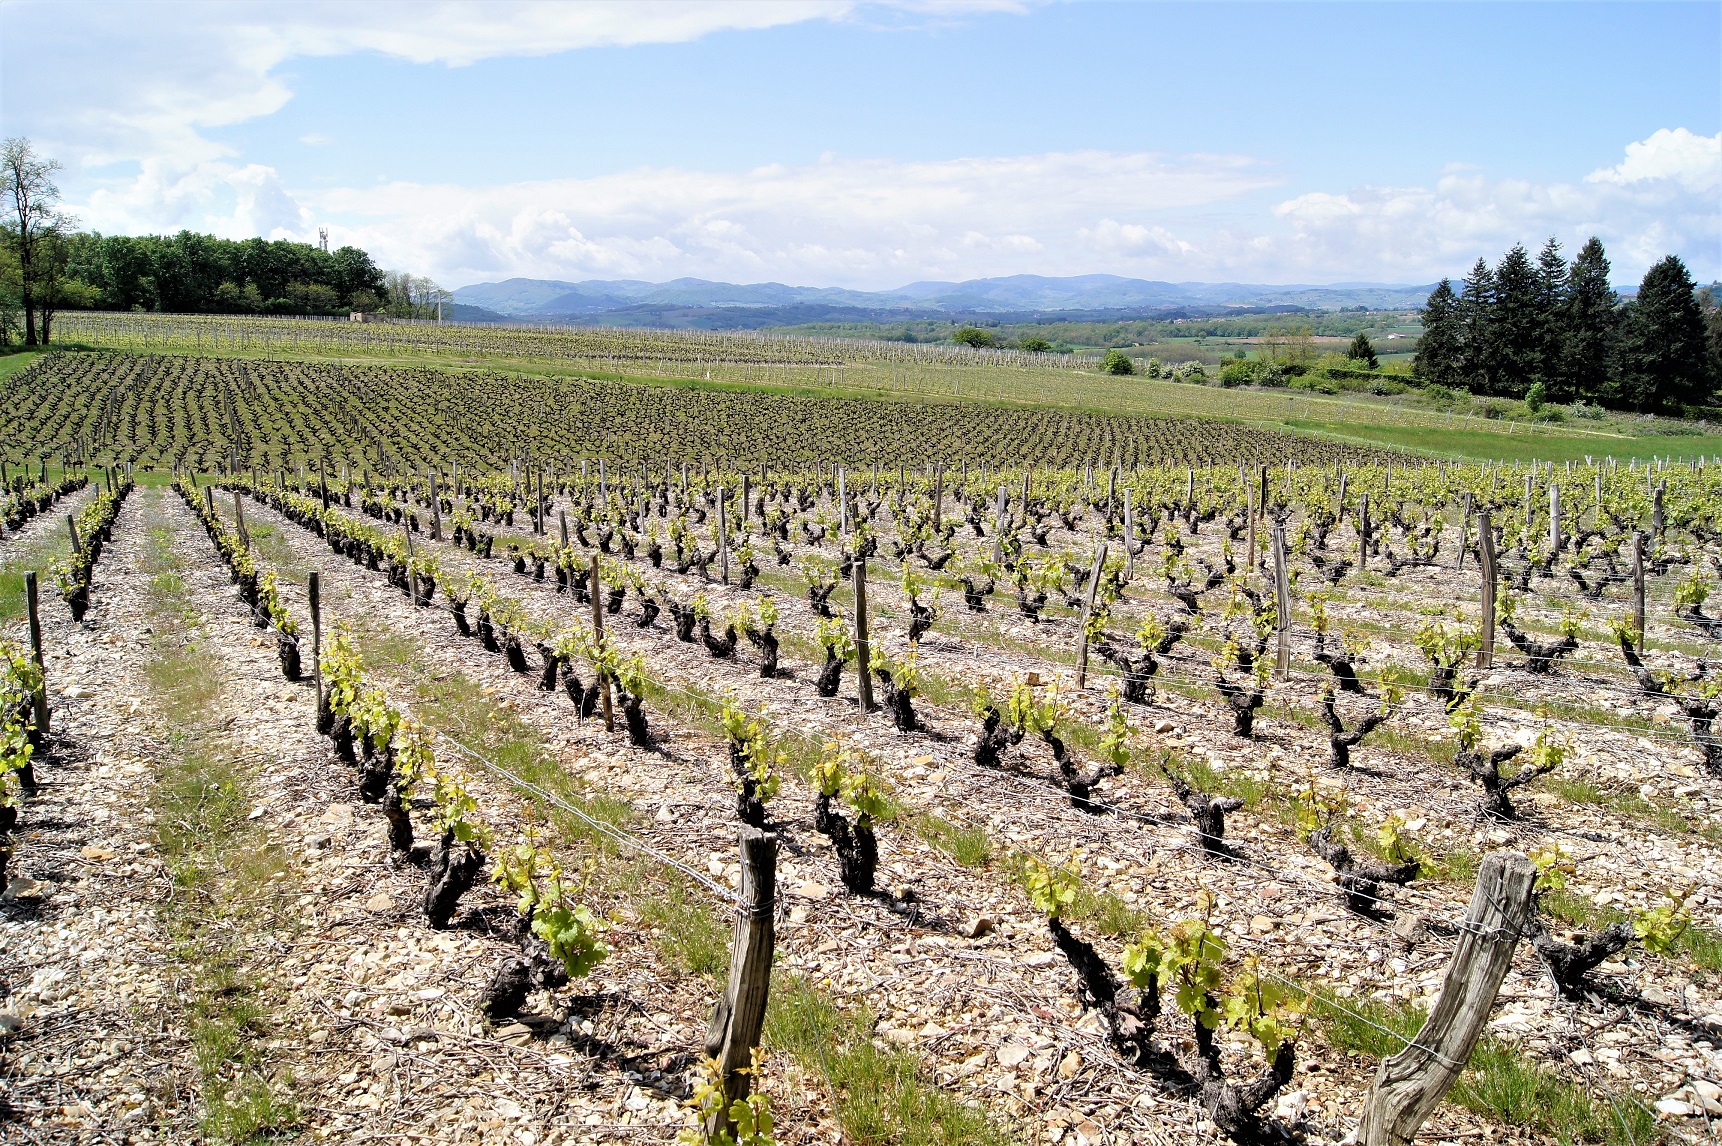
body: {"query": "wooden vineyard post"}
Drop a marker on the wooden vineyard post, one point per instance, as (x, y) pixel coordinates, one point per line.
(938, 497)
(1638, 586)
(323, 484)
(314, 594)
(723, 536)
(745, 493)
(562, 520)
(239, 517)
(1657, 518)
(1486, 562)
(436, 507)
(1088, 611)
(412, 573)
(1363, 530)
(740, 1014)
(998, 527)
(1410, 1084)
(1282, 603)
(1111, 497)
(842, 503)
(1554, 518)
(32, 606)
(1250, 536)
(1129, 538)
(77, 545)
(863, 653)
(1464, 527)
(598, 643)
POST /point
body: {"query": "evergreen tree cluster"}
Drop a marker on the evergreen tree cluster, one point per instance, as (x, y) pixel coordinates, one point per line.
(190, 273)
(1555, 331)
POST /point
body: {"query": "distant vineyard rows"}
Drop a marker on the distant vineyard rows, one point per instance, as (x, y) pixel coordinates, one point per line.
(197, 412)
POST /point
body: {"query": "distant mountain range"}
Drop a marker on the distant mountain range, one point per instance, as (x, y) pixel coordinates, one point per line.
(701, 303)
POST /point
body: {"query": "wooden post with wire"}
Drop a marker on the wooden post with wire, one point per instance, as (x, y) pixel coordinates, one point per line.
(1409, 1085)
(314, 594)
(1088, 611)
(1638, 586)
(1486, 560)
(740, 1015)
(1282, 603)
(598, 640)
(863, 650)
(32, 606)
(239, 518)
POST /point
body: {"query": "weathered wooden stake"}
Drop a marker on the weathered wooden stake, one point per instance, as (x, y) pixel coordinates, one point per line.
(1486, 562)
(1362, 531)
(863, 652)
(1638, 586)
(598, 635)
(740, 1014)
(314, 594)
(1129, 537)
(1282, 602)
(32, 606)
(436, 506)
(1087, 611)
(1554, 518)
(239, 517)
(1409, 1085)
(1464, 529)
(723, 535)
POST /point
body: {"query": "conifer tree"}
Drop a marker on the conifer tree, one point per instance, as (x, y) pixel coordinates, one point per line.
(1516, 329)
(1662, 360)
(1438, 348)
(1551, 322)
(1588, 326)
(1361, 351)
(1476, 323)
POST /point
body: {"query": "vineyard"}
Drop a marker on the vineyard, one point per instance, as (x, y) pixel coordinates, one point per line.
(177, 411)
(859, 368)
(391, 753)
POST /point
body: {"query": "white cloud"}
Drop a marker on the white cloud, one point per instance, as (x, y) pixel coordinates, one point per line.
(109, 83)
(1693, 162)
(855, 222)
(134, 98)
(1660, 198)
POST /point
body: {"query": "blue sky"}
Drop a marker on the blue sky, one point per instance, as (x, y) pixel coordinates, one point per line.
(869, 145)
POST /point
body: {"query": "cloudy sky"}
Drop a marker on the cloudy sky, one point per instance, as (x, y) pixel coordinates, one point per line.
(859, 144)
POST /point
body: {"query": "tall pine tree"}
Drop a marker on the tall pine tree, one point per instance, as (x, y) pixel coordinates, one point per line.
(1588, 327)
(1516, 333)
(1438, 349)
(1662, 359)
(1551, 322)
(1476, 328)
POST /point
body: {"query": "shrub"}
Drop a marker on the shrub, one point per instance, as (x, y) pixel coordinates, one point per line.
(1035, 345)
(1239, 372)
(1117, 362)
(1536, 397)
(972, 336)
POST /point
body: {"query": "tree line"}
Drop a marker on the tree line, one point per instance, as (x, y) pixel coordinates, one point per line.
(48, 265)
(1549, 330)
